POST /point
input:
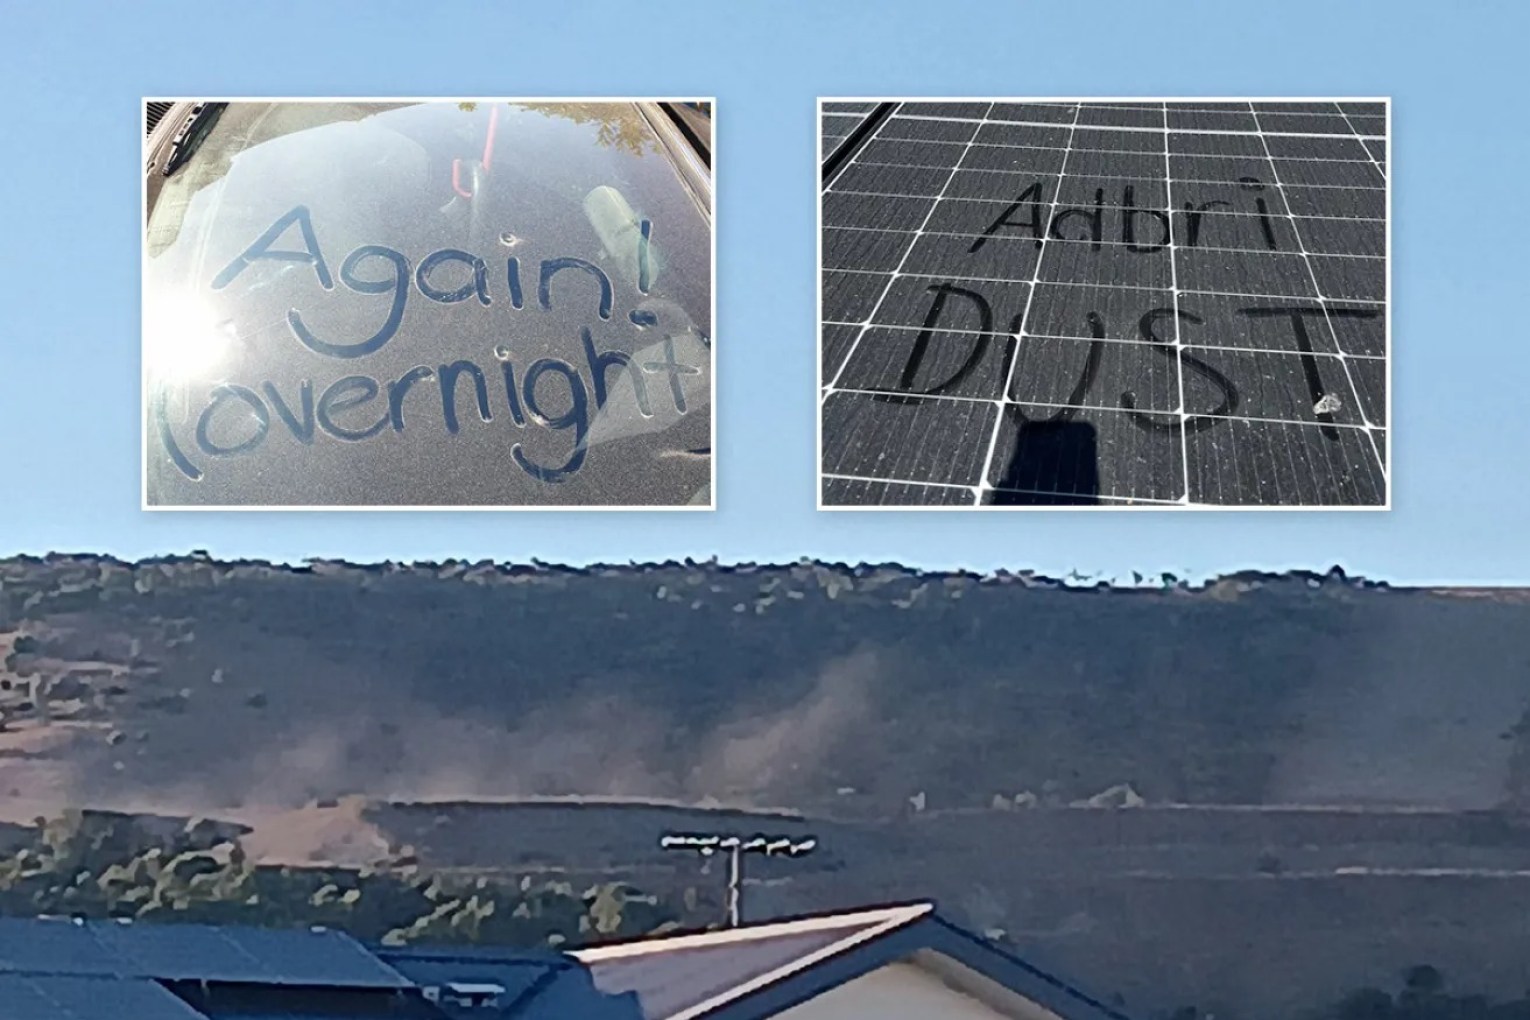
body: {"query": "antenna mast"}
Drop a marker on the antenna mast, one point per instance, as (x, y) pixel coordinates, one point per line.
(710, 844)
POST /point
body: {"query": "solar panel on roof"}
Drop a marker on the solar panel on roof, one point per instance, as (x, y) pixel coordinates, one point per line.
(55, 946)
(52, 997)
(255, 955)
(190, 952)
(307, 957)
(1154, 303)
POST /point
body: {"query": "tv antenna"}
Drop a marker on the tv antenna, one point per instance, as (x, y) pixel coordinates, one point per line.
(711, 844)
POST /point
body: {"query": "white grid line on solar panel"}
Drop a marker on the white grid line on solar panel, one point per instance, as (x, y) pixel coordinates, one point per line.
(1114, 177)
(1197, 157)
(883, 296)
(1144, 130)
(998, 421)
(1026, 335)
(1368, 161)
(1121, 407)
(1177, 106)
(1179, 346)
(1354, 389)
(899, 481)
(1040, 144)
(976, 491)
(1125, 286)
(1181, 150)
(1096, 245)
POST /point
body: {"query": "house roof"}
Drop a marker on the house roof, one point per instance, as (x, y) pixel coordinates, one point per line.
(63, 969)
(758, 971)
(59, 969)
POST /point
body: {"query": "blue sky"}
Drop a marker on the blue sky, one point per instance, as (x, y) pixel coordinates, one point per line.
(75, 75)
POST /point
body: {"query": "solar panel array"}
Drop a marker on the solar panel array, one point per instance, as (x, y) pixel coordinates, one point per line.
(1112, 303)
(49, 997)
(190, 952)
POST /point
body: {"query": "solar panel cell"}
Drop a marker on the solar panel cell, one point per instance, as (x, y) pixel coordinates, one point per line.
(1255, 273)
(864, 492)
(927, 362)
(1032, 113)
(920, 129)
(909, 153)
(1335, 237)
(1305, 123)
(1346, 278)
(1314, 148)
(1194, 143)
(1284, 386)
(1330, 173)
(1113, 116)
(1113, 192)
(1317, 108)
(1102, 374)
(835, 344)
(1370, 379)
(1201, 120)
(893, 180)
(863, 250)
(1012, 159)
(921, 301)
(1117, 265)
(1045, 455)
(1065, 309)
(953, 256)
(1106, 140)
(930, 438)
(876, 212)
(850, 297)
(1245, 462)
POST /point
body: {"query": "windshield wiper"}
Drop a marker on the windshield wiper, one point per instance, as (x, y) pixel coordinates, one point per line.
(191, 135)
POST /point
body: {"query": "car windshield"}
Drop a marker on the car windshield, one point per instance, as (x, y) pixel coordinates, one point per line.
(364, 304)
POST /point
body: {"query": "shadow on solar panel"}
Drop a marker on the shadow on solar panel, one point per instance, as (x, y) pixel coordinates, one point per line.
(1156, 303)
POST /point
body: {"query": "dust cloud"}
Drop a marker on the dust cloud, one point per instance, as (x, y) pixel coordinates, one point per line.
(356, 737)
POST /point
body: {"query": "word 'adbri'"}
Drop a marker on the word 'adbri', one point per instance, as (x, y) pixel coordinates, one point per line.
(1028, 215)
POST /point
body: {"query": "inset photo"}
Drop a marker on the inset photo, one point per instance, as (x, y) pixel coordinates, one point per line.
(486, 303)
(1119, 303)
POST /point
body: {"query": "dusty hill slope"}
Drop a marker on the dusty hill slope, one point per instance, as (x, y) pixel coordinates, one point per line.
(211, 684)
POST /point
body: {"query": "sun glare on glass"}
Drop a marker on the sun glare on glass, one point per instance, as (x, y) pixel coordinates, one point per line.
(185, 339)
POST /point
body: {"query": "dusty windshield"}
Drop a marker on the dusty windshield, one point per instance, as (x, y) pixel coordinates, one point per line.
(362, 304)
